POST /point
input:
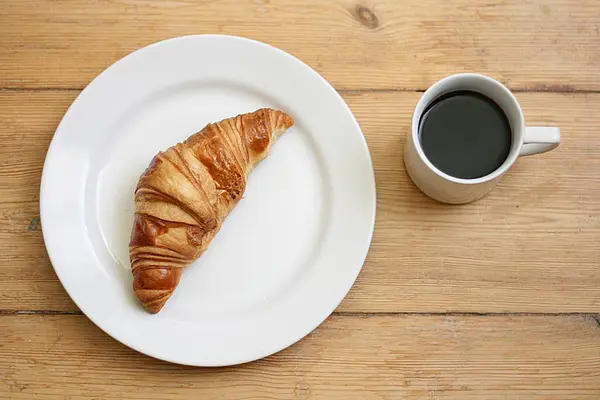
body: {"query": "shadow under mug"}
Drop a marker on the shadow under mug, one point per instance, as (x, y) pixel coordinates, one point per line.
(525, 141)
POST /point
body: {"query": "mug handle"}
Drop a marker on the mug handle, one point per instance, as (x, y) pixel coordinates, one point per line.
(539, 139)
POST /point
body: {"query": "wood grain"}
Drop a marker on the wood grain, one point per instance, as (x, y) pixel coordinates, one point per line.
(528, 44)
(531, 246)
(366, 358)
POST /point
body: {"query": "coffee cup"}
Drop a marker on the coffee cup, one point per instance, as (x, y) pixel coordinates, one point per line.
(461, 119)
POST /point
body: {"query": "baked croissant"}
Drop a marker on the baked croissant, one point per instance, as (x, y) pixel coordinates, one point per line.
(185, 194)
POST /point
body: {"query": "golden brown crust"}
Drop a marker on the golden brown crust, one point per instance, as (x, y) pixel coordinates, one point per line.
(185, 194)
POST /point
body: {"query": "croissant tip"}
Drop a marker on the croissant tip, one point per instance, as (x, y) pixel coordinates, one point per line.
(153, 308)
(284, 120)
(152, 301)
(153, 286)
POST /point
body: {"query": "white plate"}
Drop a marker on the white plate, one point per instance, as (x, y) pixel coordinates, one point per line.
(285, 257)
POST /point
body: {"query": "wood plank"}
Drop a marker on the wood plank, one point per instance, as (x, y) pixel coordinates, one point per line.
(550, 45)
(27, 123)
(531, 246)
(383, 358)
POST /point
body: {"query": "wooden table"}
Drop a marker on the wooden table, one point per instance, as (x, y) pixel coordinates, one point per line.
(499, 299)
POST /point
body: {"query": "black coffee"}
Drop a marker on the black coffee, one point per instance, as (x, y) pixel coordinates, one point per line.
(465, 134)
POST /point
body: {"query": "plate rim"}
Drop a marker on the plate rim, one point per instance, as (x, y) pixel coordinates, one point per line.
(44, 190)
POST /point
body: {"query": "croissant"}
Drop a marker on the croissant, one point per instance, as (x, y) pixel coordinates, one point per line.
(187, 191)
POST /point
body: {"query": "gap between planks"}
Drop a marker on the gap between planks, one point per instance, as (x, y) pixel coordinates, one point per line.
(533, 89)
(596, 317)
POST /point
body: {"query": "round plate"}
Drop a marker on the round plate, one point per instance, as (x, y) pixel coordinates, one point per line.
(287, 254)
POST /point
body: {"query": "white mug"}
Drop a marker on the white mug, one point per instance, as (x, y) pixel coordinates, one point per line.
(525, 141)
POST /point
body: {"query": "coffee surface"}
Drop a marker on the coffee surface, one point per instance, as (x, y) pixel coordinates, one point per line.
(465, 134)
